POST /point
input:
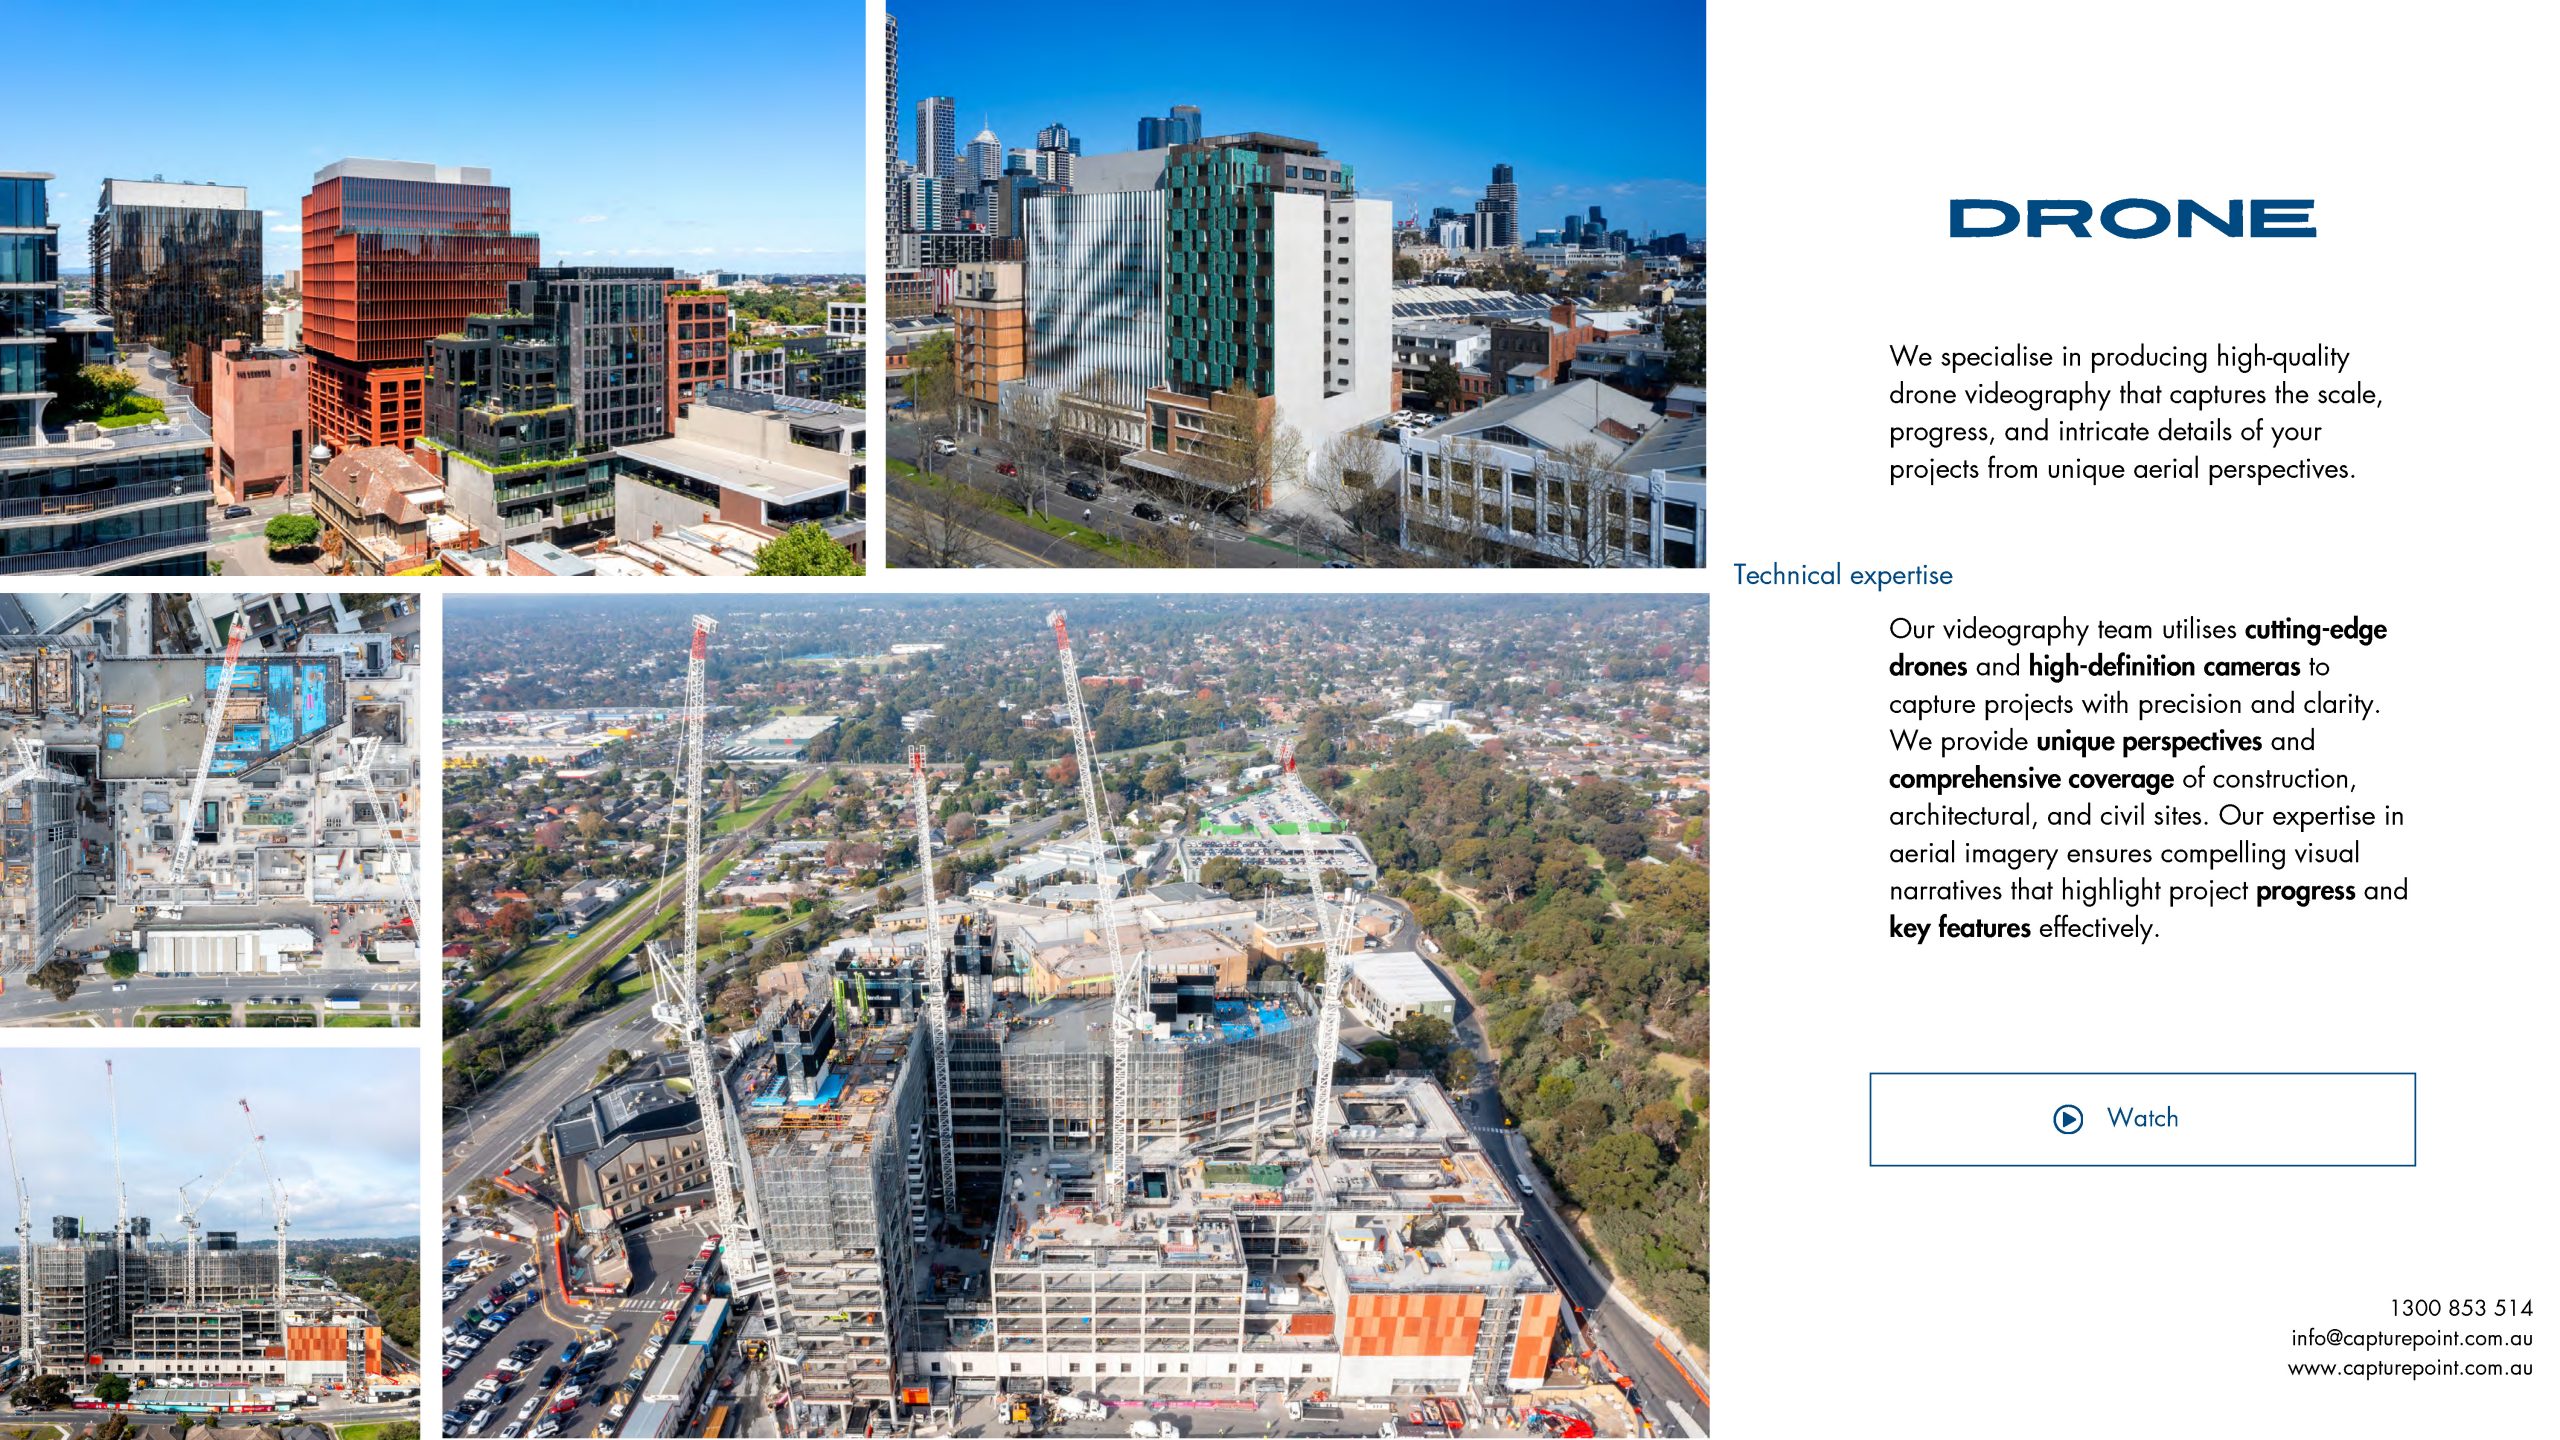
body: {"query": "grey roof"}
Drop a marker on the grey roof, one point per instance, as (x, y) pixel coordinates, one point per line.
(1555, 418)
(766, 480)
(554, 559)
(1676, 445)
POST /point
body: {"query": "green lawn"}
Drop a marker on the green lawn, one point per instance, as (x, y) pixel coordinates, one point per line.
(385, 1022)
(751, 812)
(1117, 549)
(176, 1017)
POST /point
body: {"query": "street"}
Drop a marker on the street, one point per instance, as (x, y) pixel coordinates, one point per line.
(240, 546)
(1008, 542)
(1663, 1387)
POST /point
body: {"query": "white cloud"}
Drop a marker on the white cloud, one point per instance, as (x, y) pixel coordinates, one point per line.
(284, 229)
(593, 219)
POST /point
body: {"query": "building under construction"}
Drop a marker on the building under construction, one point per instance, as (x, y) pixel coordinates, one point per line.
(1237, 1266)
(953, 1181)
(103, 1303)
(832, 1114)
(205, 1312)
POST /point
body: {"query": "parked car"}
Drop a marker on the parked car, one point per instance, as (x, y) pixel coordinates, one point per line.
(1007, 468)
(1083, 490)
(1145, 511)
(235, 512)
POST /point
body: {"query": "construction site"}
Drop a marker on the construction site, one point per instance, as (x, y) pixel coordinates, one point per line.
(173, 771)
(931, 1189)
(206, 1324)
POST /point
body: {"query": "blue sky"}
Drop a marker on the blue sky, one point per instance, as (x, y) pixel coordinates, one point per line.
(341, 1127)
(1420, 102)
(641, 133)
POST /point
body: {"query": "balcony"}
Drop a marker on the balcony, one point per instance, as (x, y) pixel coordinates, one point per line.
(90, 558)
(92, 504)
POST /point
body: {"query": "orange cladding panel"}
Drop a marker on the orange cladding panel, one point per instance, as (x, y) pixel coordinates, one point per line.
(1539, 1317)
(1412, 1324)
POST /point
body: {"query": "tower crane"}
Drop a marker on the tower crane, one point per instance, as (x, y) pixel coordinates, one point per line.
(124, 1211)
(1335, 936)
(936, 1000)
(29, 1325)
(188, 1211)
(29, 753)
(678, 1001)
(204, 763)
(275, 1194)
(1128, 975)
(676, 976)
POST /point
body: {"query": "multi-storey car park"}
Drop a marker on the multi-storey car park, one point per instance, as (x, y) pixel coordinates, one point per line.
(213, 797)
(1150, 1195)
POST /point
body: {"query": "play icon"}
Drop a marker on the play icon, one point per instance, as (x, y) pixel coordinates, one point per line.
(2066, 1118)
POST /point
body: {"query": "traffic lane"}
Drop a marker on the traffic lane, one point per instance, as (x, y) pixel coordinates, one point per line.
(490, 1136)
(111, 999)
(1113, 510)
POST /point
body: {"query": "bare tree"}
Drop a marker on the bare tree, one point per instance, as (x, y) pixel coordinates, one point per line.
(1587, 506)
(1354, 478)
(1463, 523)
(946, 515)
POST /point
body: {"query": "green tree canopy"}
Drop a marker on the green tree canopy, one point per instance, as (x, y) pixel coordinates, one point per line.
(1615, 1172)
(292, 532)
(806, 549)
(123, 964)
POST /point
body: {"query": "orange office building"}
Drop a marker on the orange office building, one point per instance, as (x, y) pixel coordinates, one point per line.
(395, 253)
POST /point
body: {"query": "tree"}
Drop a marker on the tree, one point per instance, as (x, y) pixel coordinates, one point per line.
(93, 392)
(1589, 505)
(1442, 388)
(123, 964)
(1354, 476)
(1615, 1172)
(947, 520)
(41, 1392)
(292, 532)
(1684, 334)
(933, 381)
(1426, 1038)
(62, 977)
(806, 549)
(112, 1388)
(1407, 269)
(1459, 1071)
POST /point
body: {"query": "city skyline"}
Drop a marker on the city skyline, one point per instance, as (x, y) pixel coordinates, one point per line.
(1643, 162)
(642, 183)
(341, 1128)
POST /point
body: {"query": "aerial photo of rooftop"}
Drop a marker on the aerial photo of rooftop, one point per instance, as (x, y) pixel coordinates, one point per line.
(211, 814)
(1152, 1015)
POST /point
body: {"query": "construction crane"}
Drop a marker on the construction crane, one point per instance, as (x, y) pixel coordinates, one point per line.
(1128, 976)
(678, 1002)
(676, 976)
(275, 1195)
(204, 763)
(1335, 937)
(936, 993)
(124, 1211)
(189, 1210)
(30, 756)
(29, 1325)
